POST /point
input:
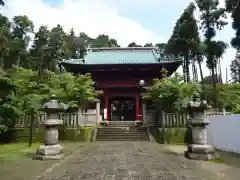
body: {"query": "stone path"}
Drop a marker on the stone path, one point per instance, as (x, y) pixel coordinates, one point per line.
(129, 161)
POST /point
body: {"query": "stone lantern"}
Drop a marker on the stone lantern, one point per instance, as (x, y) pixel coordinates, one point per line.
(198, 149)
(51, 149)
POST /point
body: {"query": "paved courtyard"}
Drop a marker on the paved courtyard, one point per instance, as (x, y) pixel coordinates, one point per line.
(129, 161)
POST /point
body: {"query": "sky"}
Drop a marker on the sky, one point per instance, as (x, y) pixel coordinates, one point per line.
(141, 21)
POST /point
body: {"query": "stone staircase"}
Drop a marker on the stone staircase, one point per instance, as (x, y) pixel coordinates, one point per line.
(122, 131)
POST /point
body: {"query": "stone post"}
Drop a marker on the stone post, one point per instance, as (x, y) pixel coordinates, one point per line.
(51, 150)
(97, 111)
(198, 149)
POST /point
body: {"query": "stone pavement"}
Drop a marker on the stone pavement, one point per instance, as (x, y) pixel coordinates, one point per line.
(129, 161)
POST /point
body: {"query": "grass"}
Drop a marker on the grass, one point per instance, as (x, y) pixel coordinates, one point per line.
(218, 160)
(16, 150)
(229, 158)
(17, 163)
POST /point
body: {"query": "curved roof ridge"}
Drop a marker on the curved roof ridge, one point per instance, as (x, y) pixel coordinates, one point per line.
(121, 48)
(165, 58)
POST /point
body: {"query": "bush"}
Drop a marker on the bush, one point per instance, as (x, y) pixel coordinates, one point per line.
(3, 129)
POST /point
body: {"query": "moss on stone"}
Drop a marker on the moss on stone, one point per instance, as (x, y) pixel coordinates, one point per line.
(174, 135)
(76, 134)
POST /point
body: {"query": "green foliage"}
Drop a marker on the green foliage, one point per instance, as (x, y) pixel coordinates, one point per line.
(185, 38)
(235, 68)
(229, 96)
(171, 93)
(233, 7)
(24, 93)
(80, 91)
(212, 18)
(3, 129)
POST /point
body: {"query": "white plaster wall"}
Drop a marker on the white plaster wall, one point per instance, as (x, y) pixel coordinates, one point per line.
(224, 132)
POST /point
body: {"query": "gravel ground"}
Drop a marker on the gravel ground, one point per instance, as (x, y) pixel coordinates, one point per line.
(133, 160)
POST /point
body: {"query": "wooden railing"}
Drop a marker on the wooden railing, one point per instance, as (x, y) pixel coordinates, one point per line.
(173, 119)
(69, 120)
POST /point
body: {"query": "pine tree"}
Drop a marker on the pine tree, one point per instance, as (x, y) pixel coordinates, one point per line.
(235, 68)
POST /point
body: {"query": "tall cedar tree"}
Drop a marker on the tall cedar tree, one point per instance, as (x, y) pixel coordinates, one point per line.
(233, 6)
(185, 38)
(212, 18)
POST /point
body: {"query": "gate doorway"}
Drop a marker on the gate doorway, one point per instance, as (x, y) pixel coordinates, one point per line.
(122, 109)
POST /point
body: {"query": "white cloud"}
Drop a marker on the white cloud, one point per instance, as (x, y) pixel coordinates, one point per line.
(103, 16)
(91, 16)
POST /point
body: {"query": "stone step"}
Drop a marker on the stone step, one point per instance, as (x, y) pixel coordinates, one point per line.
(120, 136)
(122, 122)
(120, 129)
(121, 140)
(126, 138)
(112, 133)
(121, 125)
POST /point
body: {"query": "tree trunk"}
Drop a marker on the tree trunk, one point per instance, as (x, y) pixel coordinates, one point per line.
(18, 61)
(214, 85)
(1, 61)
(200, 67)
(31, 130)
(184, 74)
(187, 68)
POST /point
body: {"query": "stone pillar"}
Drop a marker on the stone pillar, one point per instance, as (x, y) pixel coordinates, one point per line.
(97, 111)
(198, 149)
(51, 150)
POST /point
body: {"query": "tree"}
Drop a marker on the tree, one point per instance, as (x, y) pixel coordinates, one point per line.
(148, 45)
(184, 38)
(101, 41)
(81, 92)
(133, 44)
(113, 43)
(233, 7)
(38, 51)
(235, 68)
(212, 18)
(2, 3)
(4, 35)
(171, 93)
(22, 27)
(55, 47)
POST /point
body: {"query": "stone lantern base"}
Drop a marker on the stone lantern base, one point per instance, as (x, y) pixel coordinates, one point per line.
(50, 152)
(203, 152)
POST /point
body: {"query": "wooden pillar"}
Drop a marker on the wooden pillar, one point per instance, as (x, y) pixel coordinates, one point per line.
(137, 108)
(107, 107)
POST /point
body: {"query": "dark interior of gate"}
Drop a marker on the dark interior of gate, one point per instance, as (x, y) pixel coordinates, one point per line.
(122, 108)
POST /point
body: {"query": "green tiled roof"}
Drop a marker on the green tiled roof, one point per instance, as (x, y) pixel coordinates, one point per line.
(122, 56)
